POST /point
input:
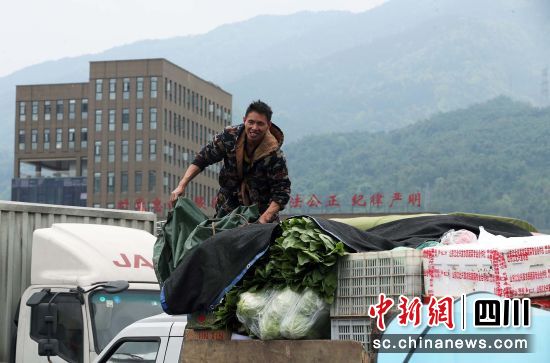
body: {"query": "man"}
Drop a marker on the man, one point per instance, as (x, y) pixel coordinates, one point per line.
(254, 167)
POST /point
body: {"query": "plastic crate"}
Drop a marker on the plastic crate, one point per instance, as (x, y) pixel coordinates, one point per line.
(352, 329)
(363, 276)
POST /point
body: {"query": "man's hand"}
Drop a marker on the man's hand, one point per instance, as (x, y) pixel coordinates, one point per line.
(265, 218)
(180, 190)
(270, 214)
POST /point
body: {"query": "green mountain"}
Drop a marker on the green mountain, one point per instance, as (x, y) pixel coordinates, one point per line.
(489, 158)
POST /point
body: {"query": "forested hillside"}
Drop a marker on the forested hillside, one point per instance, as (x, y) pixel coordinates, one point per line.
(489, 158)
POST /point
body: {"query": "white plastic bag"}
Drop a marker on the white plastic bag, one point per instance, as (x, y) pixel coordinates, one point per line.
(462, 236)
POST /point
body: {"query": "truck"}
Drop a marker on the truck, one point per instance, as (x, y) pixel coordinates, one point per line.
(164, 339)
(72, 278)
(88, 282)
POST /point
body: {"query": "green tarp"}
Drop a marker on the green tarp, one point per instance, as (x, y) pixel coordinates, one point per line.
(186, 227)
(366, 223)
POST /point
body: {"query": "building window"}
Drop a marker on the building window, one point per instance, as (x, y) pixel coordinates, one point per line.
(111, 151)
(152, 150)
(72, 109)
(170, 152)
(152, 180)
(46, 139)
(34, 139)
(84, 137)
(139, 150)
(84, 109)
(112, 89)
(98, 89)
(59, 110)
(35, 110)
(139, 88)
(98, 119)
(165, 185)
(112, 120)
(124, 149)
(139, 119)
(58, 138)
(126, 88)
(22, 111)
(110, 182)
(125, 119)
(21, 139)
(71, 138)
(138, 180)
(153, 118)
(97, 182)
(97, 151)
(154, 87)
(47, 110)
(124, 182)
(84, 167)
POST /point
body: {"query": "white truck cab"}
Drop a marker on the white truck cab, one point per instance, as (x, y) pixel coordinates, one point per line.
(67, 312)
(156, 339)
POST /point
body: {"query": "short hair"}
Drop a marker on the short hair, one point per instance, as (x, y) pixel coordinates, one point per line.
(260, 107)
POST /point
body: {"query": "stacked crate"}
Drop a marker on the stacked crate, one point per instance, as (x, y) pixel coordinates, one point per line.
(361, 278)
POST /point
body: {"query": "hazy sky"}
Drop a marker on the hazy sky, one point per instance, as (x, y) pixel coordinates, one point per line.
(33, 31)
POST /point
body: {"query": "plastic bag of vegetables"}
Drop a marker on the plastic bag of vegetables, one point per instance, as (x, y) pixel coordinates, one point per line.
(284, 314)
(250, 307)
(309, 318)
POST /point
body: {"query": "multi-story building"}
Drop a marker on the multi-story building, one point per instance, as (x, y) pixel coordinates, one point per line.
(122, 140)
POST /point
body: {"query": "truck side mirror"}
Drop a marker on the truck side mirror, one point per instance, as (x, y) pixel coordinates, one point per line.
(46, 318)
(48, 347)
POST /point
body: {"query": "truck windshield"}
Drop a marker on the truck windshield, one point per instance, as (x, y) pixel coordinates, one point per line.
(112, 313)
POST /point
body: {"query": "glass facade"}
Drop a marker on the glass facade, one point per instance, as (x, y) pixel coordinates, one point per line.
(64, 191)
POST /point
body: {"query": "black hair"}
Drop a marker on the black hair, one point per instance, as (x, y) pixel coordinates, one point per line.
(260, 107)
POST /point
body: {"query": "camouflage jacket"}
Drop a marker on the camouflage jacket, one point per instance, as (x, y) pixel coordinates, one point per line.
(266, 178)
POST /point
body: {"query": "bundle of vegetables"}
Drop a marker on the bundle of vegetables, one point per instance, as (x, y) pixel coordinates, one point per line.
(275, 314)
(302, 257)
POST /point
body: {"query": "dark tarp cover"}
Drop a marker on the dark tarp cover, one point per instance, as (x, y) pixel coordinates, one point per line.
(187, 227)
(210, 270)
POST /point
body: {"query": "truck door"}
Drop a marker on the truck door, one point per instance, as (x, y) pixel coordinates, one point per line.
(70, 330)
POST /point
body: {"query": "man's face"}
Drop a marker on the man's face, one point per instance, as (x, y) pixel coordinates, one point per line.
(255, 126)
